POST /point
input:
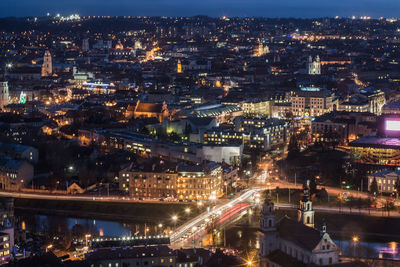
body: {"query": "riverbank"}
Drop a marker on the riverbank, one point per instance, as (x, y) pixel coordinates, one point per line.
(117, 211)
(345, 226)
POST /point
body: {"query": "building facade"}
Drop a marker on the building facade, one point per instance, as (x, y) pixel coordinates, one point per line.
(386, 180)
(186, 182)
(287, 242)
(47, 66)
(309, 102)
(313, 66)
(4, 94)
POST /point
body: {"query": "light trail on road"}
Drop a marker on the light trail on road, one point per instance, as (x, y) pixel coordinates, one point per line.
(190, 228)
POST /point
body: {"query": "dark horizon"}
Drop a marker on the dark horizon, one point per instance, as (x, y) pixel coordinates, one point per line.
(181, 8)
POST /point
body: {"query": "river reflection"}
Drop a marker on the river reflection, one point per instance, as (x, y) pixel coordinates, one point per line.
(241, 234)
(51, 223)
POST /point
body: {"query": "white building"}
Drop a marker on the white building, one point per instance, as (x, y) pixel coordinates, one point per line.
(288, 242)
(386, 180)
(314, 66)
(309, 102)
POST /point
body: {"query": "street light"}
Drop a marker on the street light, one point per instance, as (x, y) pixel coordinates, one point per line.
(174, 219)
(355, 239)
(86, 238)
(187, 210)
(49, 247)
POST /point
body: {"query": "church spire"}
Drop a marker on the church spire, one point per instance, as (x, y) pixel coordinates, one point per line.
(306, 212)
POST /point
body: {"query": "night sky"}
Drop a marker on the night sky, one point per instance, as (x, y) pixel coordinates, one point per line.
(217, 8)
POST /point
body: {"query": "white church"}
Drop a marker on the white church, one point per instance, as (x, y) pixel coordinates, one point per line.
(287, 242)
(314, 66)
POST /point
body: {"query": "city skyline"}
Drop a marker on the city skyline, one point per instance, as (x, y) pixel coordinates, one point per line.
(252, 8)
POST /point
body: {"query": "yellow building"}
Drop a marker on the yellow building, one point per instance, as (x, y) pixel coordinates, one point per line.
(196, 182)
(185, 182)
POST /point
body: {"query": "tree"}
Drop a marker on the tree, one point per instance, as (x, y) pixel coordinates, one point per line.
(397, 187)
(373, 189)
(293, 148)
(188, 129)
(323, 195)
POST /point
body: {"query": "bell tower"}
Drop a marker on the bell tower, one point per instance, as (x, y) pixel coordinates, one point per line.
(47, 67)
(179, 67)
(268, 228)
(306, 212)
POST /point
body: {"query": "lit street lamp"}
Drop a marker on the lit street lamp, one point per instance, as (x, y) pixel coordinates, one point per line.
(174, 219)
(86, 239)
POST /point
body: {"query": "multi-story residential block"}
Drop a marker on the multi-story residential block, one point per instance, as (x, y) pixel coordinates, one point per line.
(342, 127)
(386, 180)
(191, 182)
(263, 134)
(309, 102)
(368, 100)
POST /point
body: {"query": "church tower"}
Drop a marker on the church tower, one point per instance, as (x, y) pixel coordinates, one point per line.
(314, 66)
(268, 230)
(306, 212)
(47, 67)
(4, 93)
(179, 67)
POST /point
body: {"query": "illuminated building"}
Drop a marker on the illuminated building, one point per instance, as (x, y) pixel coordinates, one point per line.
(257, 108)
(314, 66)
(287, 242)
(263, 134)
(183, 182)
(151, 110)
(222, 113)
(14, 174)
(381, 149)
(4, 94)
(195, 65)
(261, 49)
(47, 67)
(148, 255)
(99, 87)
(80, 77)
(309, 102)
(336, 61)
(6, 230)
(375, 150)
(342, 127)
(121, 51)
(19, 152)
(386, 180)
(179, 67)
(368, 100)
(200, 181)
(219, 136)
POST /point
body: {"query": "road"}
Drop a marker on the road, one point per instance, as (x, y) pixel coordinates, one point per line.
(343, 210)
(187, 231)
(82, 198)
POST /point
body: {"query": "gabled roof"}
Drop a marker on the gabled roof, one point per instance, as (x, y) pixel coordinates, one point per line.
(298, 233)
(149, 107)
(385, 172)
(283, 259)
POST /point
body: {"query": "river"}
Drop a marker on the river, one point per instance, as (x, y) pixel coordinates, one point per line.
(241, 235)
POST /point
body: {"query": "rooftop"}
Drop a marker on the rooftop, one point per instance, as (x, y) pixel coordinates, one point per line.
(377, 142)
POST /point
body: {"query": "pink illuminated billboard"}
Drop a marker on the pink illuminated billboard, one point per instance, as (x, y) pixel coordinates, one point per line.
(392, 125)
